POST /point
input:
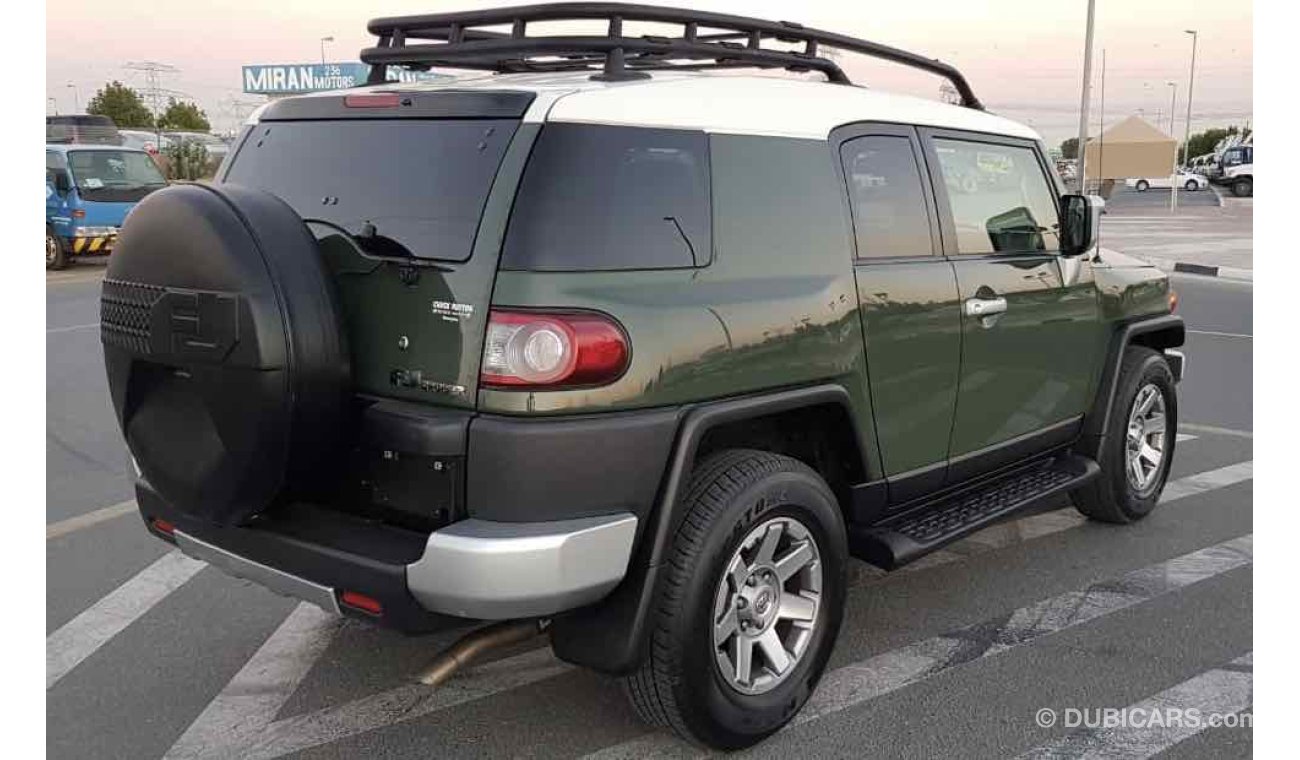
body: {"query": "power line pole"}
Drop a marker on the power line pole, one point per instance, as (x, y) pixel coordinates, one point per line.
(1191, 77)
(1101, 124)
(1083, 104)
(154, 92)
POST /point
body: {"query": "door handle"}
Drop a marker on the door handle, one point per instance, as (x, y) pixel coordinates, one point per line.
(985, 307)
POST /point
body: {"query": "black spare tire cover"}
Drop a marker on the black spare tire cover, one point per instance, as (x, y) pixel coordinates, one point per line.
(224, 348)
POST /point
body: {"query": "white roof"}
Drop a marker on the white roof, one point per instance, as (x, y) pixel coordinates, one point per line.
(721, 103)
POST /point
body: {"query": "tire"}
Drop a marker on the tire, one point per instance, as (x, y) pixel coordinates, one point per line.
(1243, 188)
(685, 682)
(1142, 186)
(1191, 186)
(1114, 496)
(56, 255)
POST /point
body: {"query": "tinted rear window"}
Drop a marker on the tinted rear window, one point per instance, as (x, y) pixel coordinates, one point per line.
(601, 197)
(421, 184)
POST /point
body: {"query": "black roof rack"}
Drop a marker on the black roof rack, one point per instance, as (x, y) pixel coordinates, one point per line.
(454, 40)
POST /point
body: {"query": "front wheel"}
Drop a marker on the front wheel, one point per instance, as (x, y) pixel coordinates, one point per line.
(750, 604)
(1243, 188)
(55, 255)
(1143, 185)
(1192, 185)
(1139, 443)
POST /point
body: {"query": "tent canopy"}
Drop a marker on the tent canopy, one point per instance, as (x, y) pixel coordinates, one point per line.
(1131, 148)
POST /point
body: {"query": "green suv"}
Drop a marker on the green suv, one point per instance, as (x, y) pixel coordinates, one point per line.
(593, 336)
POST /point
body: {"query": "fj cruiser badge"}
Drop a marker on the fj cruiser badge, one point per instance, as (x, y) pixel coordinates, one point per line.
(452, 311)
(414, 378)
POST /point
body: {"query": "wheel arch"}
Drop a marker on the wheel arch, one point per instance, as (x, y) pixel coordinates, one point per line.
(610, 636)
(1156, 333)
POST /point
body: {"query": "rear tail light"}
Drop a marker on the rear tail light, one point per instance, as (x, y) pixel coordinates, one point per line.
(372, 100)
(366, 604)
(552, 349)
(164, 527)
(1173, 300)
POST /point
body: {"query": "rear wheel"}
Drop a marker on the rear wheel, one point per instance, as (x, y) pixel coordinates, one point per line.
(1191, 185)
(1243, 188)
(751, 603)
(1139, 443)
(1143, 186)
(55, 255)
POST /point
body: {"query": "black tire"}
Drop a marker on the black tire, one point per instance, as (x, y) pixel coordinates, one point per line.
(56, 254)
(679, 684)
(1142, 186)
(1243, 188)
(1192, 186)
(1112, 497)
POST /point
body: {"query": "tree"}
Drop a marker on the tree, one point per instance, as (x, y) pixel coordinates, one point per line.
(184, 116)
(1204, 142)
(1070, 148)
(121, 104)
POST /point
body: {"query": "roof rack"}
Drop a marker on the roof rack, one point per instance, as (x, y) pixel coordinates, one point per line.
(453, 40)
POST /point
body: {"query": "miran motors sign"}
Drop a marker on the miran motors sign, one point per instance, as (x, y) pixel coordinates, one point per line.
(287, 78)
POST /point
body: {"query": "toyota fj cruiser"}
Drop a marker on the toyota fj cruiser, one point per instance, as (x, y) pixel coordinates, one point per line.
(595, 337)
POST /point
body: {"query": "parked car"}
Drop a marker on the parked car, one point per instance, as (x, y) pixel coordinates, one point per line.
(85, 129)
(597, 361)
(140, 140)
(1186, 180)
(89, 189)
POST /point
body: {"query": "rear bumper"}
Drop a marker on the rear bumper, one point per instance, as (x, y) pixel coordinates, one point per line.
(472, 569)
(92, 246)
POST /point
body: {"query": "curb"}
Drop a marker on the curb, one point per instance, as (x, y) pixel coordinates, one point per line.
(1205, 270)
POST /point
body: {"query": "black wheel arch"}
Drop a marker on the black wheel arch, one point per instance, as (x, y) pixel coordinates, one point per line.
(610, 636)
(1157, 332)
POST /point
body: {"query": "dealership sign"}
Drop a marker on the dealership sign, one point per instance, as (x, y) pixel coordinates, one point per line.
(283, 79)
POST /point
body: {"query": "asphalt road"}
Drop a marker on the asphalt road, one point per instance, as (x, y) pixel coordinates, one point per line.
(152, 655)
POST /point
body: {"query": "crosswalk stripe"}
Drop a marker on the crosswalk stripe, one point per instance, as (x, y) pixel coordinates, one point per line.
(80, 637)
(859, 682)
(1185, 710)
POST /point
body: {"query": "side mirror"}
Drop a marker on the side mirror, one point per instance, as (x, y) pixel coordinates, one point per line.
(1080, 223)
(62, 182)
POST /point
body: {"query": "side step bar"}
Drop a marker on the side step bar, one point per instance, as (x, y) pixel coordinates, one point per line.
(895, 541)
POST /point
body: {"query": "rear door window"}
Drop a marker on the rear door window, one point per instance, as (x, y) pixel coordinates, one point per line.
(416, 186)
(887, 197)
(602, 197)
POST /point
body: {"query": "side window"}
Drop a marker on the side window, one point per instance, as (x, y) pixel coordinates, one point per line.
(53, 160)
(887, 197)
(604, 197)
(999, 197)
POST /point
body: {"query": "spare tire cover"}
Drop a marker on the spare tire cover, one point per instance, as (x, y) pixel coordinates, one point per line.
(224, 348)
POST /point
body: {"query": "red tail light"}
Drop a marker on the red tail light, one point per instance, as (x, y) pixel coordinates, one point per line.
(79, 213)
(1173, 300)
(552, 349)
(361, 602)
(372, 100)
(163, 526)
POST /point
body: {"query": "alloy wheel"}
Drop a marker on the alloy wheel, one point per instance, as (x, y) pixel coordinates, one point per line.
(765, 608)
(1145, 439)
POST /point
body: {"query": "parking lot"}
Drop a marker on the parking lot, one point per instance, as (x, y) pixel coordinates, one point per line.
(150, 654)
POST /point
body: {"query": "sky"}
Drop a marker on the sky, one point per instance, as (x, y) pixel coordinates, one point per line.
(1024, 58)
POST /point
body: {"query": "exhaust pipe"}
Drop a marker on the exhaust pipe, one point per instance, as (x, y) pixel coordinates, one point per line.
(471, 646)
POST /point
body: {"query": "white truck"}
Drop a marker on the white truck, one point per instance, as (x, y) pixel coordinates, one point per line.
(1235, 166)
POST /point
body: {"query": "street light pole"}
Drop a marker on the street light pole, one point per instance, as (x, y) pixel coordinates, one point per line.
(1173, 176)
(323, 40)
(1173, 99)
(1191, 77)
(1083, 101)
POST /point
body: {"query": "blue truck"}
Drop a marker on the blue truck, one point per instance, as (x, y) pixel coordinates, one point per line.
(88, 191)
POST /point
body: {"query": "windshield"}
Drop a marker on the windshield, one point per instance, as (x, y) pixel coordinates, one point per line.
(113, 169)
(405, 186)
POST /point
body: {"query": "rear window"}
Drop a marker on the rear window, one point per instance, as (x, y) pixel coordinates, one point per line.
(601, 198)
(418, 184)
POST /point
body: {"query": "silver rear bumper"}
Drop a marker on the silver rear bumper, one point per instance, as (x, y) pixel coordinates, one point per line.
(496, 570)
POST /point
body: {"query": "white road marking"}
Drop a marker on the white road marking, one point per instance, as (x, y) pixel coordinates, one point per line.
(1215, 430)
(70, 328)
(1221, 334)
(1223, 692)
(1208, 481)
(860, 682)
(80, 637)
(73, 524)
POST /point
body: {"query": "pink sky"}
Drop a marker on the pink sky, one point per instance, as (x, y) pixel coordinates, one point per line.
(1023, 57)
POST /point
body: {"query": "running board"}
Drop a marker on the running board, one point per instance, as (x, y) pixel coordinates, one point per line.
(896, 541)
